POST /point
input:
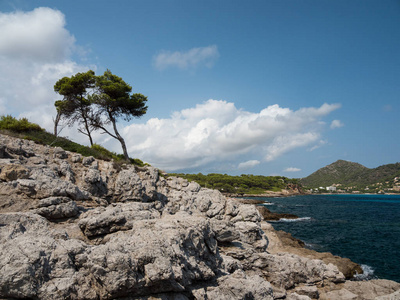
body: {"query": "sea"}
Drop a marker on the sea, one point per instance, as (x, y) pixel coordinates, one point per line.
(363, 228)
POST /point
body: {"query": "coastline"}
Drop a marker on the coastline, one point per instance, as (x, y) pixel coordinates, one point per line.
(81, 228)
(344, 225)
(283, 242)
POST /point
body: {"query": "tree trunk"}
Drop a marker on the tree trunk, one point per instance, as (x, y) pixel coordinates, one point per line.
(85, 121)
(120, 138)
(56, 121)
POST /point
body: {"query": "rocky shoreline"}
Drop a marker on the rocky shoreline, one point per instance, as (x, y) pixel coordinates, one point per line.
(74, 227)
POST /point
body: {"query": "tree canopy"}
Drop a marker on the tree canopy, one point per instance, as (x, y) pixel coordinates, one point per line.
(75, 107)
(95, 102)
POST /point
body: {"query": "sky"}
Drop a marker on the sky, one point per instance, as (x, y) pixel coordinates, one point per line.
(234, 87)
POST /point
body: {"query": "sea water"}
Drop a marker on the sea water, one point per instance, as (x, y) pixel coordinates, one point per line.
(363, 228)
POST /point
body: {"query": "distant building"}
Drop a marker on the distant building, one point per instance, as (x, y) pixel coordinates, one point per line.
(331, 188)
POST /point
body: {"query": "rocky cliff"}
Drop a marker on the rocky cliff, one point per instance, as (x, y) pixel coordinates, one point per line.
(73, 227)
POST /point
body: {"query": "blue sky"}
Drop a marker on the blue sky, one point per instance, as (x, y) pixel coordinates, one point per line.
(236, 87)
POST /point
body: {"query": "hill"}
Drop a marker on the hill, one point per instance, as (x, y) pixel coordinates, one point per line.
(354, 176)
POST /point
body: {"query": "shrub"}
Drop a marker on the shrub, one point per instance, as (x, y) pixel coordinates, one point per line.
(22, 125)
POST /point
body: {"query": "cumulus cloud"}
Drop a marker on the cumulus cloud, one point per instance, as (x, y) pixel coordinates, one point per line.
(248, 164)
(292, 169)
(35, 51)
(203, 56)
(336, 124)
(37, 35)
(216, 131)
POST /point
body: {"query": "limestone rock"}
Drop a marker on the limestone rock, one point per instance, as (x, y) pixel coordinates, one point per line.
(225, 232)
(295, 296)
(252, 234)
(288, 270)
(57, 208)
(74, 227)
(310, 291)
(116, 217)
(237, 287)
(12, 172)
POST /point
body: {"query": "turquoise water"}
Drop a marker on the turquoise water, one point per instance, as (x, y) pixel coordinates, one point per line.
(364, 228)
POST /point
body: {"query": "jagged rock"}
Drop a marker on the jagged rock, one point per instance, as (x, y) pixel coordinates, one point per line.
(89, 161)
(288, 270)
(128, 186)
(225, 232)
(93, 182)
(76, 158)
(154, 257)
(310, 291)
(10, 172)
(341, 294)
(392, 296)
(295, 296)
(60, 153)
(252, 234)
(237, 287)
(270, 216)
(247, 212)
(116, 217)
(280, 241)
(371, 289)
(81, 228)
(57, 208)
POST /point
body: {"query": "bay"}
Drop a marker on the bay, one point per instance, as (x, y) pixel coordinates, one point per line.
(363, 228)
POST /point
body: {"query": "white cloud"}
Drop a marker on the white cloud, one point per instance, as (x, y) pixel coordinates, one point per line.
(204, 56)
(318, 145)
(292, 169)
(248, 164)
(287, 142)
(38, 35)
(336, 124)
(217, 132)
(35, 51)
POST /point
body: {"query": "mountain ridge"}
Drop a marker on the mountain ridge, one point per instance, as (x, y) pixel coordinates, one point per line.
(351, 174)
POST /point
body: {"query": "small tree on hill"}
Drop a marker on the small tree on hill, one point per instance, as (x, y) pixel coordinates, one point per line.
(94, 102)
(76, 107)
(113, 101)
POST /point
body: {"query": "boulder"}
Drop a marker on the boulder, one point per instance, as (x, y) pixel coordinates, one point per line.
(238, 286)
(57, 208)
(118, 216)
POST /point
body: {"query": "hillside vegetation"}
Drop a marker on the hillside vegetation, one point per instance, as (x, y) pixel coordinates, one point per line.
(24, 129)
(352, 176)
(243, 184)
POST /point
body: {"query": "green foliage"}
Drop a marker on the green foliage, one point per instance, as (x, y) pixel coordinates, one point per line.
(115, 100)
(243, 184)
(137, 162)
(75, 107)
(97, 101)
(22, 125)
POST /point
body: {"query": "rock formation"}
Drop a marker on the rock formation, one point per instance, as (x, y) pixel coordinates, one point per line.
(74, 227)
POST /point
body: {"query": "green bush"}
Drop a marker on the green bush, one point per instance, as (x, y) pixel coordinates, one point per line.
(22, 125)
(104, 152)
